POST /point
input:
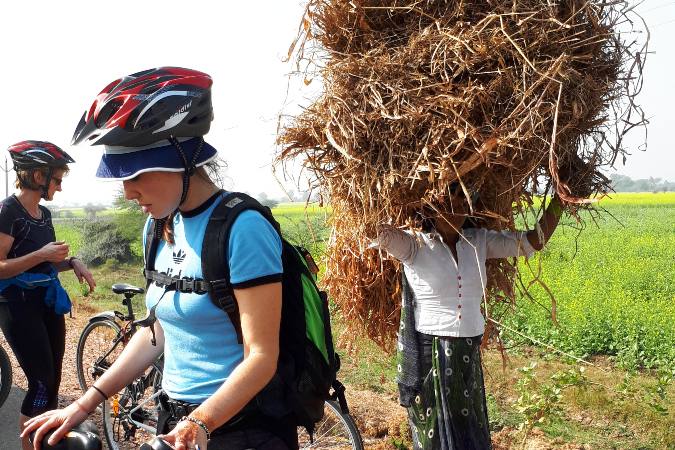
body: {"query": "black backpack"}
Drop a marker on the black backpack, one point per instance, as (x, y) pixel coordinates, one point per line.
(308, 364)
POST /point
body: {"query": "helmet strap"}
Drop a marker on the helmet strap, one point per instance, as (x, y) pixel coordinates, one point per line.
(45, 187)
(190, 166)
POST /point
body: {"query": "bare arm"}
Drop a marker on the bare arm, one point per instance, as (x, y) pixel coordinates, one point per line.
(260, 312)
(136, 357)
(53, 252)
(80, 270)
(547, 224)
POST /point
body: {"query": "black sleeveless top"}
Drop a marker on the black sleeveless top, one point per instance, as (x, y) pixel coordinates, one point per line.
(29, 234)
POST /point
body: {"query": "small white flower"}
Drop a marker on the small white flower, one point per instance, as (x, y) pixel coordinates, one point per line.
(466, 393)
(448, 371)
(469, 341)
(431, 433)
(418, 400)
(399, 368)
(466, 358)
(448, 351)
(428, 412)
(465, 412)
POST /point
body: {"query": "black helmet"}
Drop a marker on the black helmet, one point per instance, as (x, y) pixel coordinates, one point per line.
(31, 155)
(149, 106)
(28, 155)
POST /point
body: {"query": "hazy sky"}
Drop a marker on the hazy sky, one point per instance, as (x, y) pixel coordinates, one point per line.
(56, 56)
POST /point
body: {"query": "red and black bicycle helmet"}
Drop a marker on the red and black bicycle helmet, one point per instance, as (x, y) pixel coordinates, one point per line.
(31, 155)
(147, 107)
(28, 155)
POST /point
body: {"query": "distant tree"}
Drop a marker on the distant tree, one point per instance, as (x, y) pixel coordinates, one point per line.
(103, 241)
(266, 201)
(54, 210)
(623, 183)
(129, 219)
(91, 210)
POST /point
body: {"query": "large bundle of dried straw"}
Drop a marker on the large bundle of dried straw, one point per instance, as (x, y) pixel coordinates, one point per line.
(508, 98)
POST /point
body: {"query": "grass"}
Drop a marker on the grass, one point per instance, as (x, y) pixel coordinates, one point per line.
(614, 285)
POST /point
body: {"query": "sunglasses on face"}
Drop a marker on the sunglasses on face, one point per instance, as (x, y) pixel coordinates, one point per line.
(57, 181)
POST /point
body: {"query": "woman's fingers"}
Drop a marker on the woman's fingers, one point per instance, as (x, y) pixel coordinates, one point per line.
(59, 433)
(169, 439)
(90, 281)
(78, 274)
(34, 422)
(40, 433)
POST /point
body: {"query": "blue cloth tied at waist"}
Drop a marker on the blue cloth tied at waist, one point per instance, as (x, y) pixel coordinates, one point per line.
(56, 296)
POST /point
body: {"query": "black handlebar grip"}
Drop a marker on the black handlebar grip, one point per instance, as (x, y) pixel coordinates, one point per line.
(156, 444)
(82, 437)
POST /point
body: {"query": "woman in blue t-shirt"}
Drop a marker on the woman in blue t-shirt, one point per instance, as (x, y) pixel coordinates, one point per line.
(151, 125)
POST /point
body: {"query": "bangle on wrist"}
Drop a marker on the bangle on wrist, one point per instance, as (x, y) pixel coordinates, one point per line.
(199, 423)
(105, 397)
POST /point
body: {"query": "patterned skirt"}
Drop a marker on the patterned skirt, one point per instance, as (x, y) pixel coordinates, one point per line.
(450, 412)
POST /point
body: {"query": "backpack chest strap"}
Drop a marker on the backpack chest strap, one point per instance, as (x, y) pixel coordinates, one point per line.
(173, 283)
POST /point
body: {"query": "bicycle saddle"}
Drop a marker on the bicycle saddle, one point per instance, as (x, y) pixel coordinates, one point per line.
(82, 437)
(156, 444)
(124, 288)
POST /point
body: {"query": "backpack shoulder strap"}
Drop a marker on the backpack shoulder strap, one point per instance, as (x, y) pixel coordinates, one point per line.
(153, 235)
(215, 251)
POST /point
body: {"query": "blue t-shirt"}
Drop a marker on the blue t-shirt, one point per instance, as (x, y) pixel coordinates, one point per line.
(201, 348)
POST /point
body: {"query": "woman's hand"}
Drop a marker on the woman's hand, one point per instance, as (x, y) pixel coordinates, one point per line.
(82, 273)
(54, 252)
(62, 419)
(186, 436)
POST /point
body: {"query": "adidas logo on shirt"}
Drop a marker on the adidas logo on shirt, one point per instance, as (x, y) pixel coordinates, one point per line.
(178, 257)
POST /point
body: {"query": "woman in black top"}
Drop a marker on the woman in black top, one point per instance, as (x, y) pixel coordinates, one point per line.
(32, 301)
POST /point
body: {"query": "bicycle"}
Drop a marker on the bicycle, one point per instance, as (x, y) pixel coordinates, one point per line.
(5, 376)
(131, 415)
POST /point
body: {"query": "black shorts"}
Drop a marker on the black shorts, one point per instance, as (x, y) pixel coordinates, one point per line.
(247, 430)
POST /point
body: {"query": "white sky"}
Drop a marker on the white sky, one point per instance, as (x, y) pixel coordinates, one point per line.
(56, 56)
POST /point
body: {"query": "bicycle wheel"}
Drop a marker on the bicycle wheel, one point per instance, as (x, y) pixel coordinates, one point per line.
(335, 431)
(97, 349)
(130, 416)
(5, 376)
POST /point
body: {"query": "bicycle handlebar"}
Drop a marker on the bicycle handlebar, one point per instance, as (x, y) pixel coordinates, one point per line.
(156, 444)
(82, 437)
(85, 437)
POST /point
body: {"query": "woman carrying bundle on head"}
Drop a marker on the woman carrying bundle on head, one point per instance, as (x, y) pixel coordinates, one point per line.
(439, 366)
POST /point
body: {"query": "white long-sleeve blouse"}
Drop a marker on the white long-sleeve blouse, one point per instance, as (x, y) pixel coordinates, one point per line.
(448, 293)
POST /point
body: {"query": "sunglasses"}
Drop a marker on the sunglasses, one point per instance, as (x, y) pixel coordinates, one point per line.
(57, 181)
